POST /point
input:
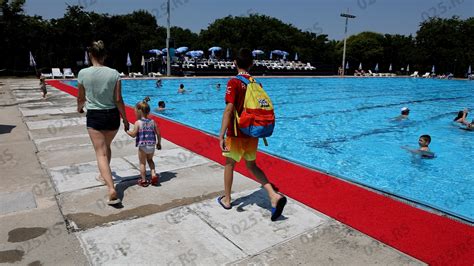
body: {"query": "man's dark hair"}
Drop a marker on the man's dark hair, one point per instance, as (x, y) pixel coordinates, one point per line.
(244, 59)
(427, 138)
(161, 104)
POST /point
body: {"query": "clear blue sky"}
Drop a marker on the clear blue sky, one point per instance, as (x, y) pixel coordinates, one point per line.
(384, 16)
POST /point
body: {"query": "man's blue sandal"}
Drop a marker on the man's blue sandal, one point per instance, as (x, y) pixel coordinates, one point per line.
(219, 200)
(278, 210)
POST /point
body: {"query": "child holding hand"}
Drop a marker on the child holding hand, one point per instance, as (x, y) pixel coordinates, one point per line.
(147, 136)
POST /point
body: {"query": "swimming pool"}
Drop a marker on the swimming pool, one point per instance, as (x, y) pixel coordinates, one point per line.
(345, 127)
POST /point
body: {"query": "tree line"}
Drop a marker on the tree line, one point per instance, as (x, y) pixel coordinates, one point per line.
(446, 43)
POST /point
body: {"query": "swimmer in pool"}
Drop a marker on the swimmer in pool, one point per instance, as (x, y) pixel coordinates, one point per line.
(424, 150)
(403, 114)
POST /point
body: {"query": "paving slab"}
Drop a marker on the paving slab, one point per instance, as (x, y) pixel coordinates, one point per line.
(56, 123)
(52, 116)
(53, 132)
(80, 176)
(41, 104)
(332, 243)
(12, 128)
(80, 154)
(197, 232)
(18, 159)
(248, 223)
(79, 140)
(172, 159)
(36, 112)
(80, 150)
(154, 240)
(39, 236)
(177, 188)
(16, 201)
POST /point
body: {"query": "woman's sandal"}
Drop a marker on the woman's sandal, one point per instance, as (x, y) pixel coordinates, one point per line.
(113, 200)
(143, 182)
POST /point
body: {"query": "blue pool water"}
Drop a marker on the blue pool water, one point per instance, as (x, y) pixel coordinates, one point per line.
(345, 127)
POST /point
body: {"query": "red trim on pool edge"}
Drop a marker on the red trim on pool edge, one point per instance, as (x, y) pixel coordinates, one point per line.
(426, 236)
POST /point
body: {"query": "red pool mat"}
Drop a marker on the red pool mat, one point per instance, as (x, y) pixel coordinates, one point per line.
(426, 236)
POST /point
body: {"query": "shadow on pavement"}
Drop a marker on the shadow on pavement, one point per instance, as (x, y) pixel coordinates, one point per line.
(5, 129)
(122, 187)
(259, 198)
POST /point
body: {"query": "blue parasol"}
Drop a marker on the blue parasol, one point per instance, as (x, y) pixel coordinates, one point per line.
(182, 49)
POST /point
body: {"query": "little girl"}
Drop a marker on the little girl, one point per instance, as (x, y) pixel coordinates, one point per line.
(43, 86)
(146, 133)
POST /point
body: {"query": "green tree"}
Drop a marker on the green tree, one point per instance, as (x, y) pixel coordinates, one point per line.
(265, 33)
(446, 43)
(366, 47)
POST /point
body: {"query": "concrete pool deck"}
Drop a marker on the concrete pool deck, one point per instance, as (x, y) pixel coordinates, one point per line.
(53, 210)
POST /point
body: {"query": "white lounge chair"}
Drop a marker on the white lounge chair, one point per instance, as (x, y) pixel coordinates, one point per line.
(309, 67)
(136, 74)
(426, 75)
(122, 75)
(415, 74)
(68, 73)
(57, 73)
(47, 75)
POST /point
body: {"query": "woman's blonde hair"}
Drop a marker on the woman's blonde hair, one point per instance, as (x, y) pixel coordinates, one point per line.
(97, 50)
(143, 108)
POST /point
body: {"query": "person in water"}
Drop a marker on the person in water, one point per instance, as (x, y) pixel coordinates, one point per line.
(161, 106)
(403, 114)
(181, 89)
(461, 117)
(159, 83)
(424, 150)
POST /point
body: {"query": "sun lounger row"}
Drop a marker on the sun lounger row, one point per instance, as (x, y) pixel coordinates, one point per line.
(269, 64)
(362, 73)
(416, 75)
(56, 73)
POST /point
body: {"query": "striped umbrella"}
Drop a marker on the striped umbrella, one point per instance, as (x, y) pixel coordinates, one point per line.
(32, 60)
(129, 62)
(360, 66)
(390, 68)
(33, 63)
(377, 67)
(469, 70)
(433, 69)
(86, 59)
(296, 57)
(347, 65)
